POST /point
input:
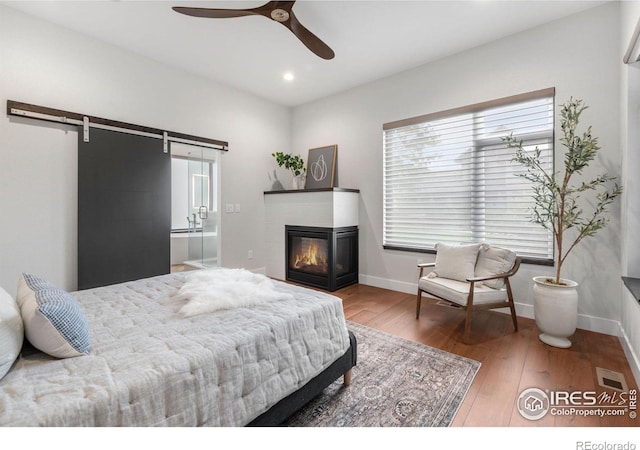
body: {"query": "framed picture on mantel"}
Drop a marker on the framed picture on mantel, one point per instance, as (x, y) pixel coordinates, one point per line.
(321, 167)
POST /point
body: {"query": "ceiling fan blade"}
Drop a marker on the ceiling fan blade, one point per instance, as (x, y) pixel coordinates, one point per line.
(221, 13)
(310, 40)
(213, 13)
(278, 11)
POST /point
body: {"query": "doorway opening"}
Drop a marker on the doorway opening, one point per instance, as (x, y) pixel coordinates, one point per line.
(195, 189)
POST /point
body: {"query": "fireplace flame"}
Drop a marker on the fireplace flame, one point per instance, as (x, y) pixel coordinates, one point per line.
(309, 258)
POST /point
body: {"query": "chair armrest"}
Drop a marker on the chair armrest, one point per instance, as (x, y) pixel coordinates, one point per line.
(514, 269)
(422, 266)
(492, 277)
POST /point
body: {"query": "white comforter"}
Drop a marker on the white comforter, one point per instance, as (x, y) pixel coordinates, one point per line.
(151, 366)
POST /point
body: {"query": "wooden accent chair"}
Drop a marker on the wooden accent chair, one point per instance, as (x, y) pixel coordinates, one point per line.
(474, 276)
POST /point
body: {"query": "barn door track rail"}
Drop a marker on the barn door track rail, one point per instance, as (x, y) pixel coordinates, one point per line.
(20, 109)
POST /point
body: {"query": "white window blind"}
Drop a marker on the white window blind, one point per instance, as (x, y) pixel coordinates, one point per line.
(448, 177)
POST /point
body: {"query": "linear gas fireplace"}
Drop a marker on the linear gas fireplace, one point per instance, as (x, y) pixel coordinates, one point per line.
(322, 257)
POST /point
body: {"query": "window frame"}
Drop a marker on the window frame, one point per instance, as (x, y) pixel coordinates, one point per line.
(479, 143)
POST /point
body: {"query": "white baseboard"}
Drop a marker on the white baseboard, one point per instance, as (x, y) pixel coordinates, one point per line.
(631, 355)
(260, 270)
(393, 285)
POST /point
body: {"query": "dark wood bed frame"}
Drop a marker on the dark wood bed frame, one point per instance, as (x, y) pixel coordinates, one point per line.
(279, 412)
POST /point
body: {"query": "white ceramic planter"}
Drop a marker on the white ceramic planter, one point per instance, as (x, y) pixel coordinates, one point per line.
(556, 310)
(298, 182)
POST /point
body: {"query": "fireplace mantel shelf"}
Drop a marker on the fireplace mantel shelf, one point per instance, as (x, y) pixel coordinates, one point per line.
(633, 284)
(302, 191)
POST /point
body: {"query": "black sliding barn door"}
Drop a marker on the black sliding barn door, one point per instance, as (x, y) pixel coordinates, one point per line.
(124, 208)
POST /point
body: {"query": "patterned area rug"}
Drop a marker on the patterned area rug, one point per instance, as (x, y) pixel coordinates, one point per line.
(396, 383)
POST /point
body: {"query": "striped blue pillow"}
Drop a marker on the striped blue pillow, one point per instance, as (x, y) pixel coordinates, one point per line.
(53, 320)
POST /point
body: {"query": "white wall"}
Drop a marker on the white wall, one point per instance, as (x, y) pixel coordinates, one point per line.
(46, 65)
(578, 55)
(630, 132)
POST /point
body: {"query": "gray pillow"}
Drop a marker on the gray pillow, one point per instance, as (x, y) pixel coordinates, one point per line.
(493, 261)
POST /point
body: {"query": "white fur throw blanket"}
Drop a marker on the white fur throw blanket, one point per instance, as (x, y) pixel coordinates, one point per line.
(215, 289)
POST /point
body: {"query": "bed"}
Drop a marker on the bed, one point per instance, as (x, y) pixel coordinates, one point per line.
(149, 364)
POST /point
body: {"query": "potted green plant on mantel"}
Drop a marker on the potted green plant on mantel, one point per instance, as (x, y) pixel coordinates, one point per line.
(558, 207)
(295, 164)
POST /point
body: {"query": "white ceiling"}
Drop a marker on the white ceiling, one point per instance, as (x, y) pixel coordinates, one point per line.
(371, 39)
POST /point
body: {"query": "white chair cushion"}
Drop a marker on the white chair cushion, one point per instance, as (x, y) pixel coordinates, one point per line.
(493, 261)
(458, 291)
(11, 332)
(456, 262)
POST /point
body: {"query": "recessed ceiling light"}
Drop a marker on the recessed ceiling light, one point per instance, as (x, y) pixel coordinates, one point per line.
(288, 76)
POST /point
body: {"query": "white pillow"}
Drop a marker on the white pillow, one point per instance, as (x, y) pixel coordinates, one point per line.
(456, 262)
(492, 261)
(53, 320)
(11, 332)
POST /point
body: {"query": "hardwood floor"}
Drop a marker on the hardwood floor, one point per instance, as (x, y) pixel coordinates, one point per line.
(511, 362)
(181, 268)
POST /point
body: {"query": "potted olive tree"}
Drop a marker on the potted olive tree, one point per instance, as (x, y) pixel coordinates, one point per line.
(295, 164)
(558, 207)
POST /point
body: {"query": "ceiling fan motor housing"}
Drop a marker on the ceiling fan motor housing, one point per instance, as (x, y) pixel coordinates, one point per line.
(279, 15)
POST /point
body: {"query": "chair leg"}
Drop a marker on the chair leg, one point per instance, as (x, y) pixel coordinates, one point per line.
(467, 326)
(469, 309)
(513, 315)
(418, 302)
(512, 306)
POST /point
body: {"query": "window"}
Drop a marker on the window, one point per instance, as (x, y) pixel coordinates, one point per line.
(448, 177)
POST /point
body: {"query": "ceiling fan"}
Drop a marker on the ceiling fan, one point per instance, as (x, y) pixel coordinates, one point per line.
(279, 11)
